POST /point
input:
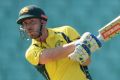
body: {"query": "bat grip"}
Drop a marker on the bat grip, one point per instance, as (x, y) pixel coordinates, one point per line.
(100, 38)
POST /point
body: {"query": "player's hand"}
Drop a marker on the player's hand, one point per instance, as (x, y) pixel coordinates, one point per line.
(91, 41)
(80, 54)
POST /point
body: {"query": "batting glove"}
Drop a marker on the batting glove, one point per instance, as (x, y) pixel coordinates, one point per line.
(91, 41)
(80, 54)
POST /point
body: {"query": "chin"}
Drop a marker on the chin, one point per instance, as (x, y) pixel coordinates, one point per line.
(34, 36)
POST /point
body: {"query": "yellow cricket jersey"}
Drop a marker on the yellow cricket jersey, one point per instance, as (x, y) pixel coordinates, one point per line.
(63, 69)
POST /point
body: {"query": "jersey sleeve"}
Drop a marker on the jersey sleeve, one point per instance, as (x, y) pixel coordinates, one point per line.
(72, 33)
(33, 54)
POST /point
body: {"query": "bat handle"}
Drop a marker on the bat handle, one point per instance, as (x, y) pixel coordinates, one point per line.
(100, 38)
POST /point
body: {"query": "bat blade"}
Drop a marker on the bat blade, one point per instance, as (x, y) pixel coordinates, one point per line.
(110, 30)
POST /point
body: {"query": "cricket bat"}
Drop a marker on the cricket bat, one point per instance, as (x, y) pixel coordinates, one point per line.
(110, 30)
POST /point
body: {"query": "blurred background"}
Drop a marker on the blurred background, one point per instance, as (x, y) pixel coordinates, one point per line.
(83, 15)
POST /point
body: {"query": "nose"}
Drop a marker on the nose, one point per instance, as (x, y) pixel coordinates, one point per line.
(27, 27)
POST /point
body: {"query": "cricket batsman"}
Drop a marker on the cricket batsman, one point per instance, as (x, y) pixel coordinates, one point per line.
(57, 53)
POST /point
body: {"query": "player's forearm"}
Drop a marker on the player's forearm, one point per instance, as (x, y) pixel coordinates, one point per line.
(57, 53)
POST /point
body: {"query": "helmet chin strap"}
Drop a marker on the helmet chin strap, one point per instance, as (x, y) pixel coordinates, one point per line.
(40, 31)
(41, 27)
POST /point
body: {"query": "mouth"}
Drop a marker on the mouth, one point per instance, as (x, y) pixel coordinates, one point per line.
(32, 34)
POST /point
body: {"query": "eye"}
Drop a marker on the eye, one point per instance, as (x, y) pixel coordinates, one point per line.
(33, 23)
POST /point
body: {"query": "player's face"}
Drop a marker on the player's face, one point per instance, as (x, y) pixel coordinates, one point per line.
(32, 27)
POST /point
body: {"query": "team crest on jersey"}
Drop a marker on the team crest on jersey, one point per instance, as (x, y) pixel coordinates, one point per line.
(58, 43)
(24, 10)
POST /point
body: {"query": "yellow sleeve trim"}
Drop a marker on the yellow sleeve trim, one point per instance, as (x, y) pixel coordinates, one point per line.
(33, 55)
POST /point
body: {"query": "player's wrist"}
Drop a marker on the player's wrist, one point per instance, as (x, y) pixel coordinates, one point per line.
(77, 42)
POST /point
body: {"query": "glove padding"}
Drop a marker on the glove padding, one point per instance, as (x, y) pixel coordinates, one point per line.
(87, 44)
(80, 54)
(91, 41)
